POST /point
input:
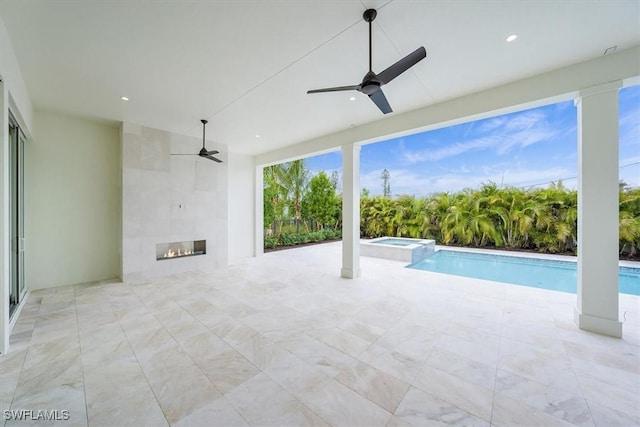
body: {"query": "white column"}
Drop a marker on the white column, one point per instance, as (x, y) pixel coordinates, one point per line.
(597, 307)
(350, 211)
(259, 211)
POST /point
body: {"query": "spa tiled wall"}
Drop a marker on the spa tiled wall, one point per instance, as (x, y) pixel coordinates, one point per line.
(170, 198)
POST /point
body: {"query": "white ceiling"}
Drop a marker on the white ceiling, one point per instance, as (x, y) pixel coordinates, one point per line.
(246, 65)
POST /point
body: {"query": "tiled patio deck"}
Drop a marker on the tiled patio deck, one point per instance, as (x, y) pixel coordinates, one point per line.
(282, 340)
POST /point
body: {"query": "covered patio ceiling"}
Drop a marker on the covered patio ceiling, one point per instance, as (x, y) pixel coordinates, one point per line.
(246, 65)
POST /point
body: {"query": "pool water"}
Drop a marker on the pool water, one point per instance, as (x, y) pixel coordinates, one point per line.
(537, 273)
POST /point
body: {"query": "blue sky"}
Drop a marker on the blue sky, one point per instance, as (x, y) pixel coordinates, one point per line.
(523, 149)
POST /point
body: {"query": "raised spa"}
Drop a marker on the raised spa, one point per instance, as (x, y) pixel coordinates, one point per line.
(398, 248)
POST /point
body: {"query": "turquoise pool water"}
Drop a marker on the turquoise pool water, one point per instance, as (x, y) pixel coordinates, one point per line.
(537, 273)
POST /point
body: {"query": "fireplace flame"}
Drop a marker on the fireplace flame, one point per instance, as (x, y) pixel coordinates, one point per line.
(180, 252)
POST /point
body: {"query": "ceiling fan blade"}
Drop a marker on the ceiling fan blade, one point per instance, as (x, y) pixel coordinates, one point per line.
(381, 101)
(402, 65)
(203, 151)
(334, 89)
(211, 158)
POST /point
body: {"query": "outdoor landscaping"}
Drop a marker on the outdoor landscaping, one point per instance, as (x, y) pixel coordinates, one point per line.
(543, 220)
(299, 210)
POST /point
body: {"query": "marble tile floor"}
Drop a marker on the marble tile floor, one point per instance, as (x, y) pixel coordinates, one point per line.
(282, 340)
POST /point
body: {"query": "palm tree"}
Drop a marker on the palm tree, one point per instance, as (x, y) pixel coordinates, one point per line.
(438, 205)
(556, 219)
(455, 226)
(404, 213)
(419, 225)
(486, 206)
(629, 231)
(275, 196)
(514, 217)
(377, 216)
(295, 179)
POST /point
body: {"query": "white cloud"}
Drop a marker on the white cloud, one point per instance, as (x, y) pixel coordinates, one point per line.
(452, 150)
(631, 175)
(525, 138)
(503, 134)
(525, 120)
(402, 181)
(405, 181)
(517, 177)
(630, 128)
(524, 177)
(629, 160)
(560, 107)
(314, 172)
(491, 124)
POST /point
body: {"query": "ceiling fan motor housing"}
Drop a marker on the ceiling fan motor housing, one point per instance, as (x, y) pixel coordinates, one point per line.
(369, 15)
(369, 84)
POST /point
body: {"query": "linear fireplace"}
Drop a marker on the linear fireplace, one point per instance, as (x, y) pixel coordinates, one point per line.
(180, 249)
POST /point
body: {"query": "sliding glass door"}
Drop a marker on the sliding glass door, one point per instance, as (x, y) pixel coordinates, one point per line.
(16, 215)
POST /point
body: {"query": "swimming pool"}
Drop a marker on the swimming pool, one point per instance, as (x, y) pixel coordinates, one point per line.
(537, 273)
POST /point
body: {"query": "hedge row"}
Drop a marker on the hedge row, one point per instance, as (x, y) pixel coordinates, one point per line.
(271, 242)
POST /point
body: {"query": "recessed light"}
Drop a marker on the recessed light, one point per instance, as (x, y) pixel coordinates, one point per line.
(512, 37)
(257, 135)
(124, 98)
(353, 98)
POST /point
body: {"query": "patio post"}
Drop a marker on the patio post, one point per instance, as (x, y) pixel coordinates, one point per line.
(350, 211)
(597, 305)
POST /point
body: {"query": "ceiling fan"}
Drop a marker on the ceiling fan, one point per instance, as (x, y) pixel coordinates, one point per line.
(372, 83)
(203, 152)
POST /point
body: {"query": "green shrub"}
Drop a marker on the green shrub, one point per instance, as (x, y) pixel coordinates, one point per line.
(270, 242)
(292, 239)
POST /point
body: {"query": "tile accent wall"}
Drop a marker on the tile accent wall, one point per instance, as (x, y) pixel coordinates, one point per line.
(170, 198)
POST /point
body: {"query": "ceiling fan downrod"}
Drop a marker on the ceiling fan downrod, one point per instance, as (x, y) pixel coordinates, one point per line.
(204, 123)
(369, 15)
